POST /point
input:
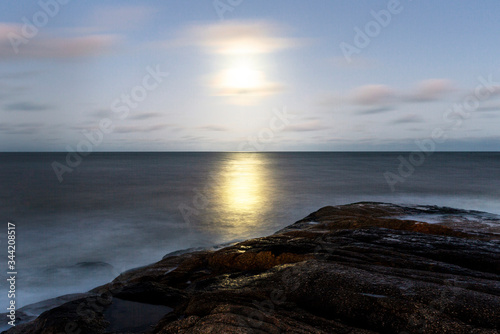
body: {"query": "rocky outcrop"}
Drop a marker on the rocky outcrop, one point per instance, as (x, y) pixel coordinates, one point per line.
(359, 268)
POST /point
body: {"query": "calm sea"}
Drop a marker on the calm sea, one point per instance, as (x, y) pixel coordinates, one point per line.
(116, 211)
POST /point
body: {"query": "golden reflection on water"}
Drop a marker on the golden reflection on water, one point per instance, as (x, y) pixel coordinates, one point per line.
(243, 184)
(242, 195)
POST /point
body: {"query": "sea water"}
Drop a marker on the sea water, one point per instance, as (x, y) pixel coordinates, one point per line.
(116, 211)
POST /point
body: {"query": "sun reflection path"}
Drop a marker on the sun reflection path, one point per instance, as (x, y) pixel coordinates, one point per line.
(243, 193)
(244, 182)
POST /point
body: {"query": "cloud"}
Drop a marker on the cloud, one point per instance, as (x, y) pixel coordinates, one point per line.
(409, 119)
(139, 129)
(196, 139)
(244, 83)
(102, 113)
(19, 75)
(213, 127)
(330, 100)
(489, 108)
(374, 111)
(49, 46)
(25, 128)
(9, 91)
(26, 106)
(240, 83)
(106, 113)
(122, 17)
(495, 91)
(430, 90)
(235, 43)
(146, 115)
(239, 37)
(382, 97)
(86, 125)
(306, 126)
(372, 95)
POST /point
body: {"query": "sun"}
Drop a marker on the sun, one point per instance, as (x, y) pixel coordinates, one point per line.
(240, 80)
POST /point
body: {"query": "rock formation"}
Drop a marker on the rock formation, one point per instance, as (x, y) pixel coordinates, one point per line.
(358, 268)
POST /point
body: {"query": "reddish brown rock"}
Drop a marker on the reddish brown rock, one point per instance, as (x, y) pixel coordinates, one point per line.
(356, 268)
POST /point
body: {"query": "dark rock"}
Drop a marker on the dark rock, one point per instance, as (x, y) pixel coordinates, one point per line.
(30, 312)
(118, 314)
(82, 316)
(358, 268)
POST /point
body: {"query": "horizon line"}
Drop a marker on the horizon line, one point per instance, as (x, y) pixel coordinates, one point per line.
(287, 151)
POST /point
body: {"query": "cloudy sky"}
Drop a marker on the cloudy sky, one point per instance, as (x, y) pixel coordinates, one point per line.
(229, 75)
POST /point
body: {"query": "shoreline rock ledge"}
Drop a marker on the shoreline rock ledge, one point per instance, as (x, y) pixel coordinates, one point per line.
(358, 268)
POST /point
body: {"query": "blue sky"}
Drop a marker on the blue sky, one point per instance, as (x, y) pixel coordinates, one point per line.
(249, 75)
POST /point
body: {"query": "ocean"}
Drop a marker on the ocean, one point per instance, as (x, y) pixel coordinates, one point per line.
(117, 211)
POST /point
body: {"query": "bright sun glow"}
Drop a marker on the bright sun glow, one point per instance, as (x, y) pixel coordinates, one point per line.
(241, 79)
(243, 186)
(242, 74)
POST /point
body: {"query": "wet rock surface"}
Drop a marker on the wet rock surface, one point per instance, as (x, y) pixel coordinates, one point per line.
(356, 268)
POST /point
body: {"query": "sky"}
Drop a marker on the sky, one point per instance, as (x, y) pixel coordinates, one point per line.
(249, 75)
